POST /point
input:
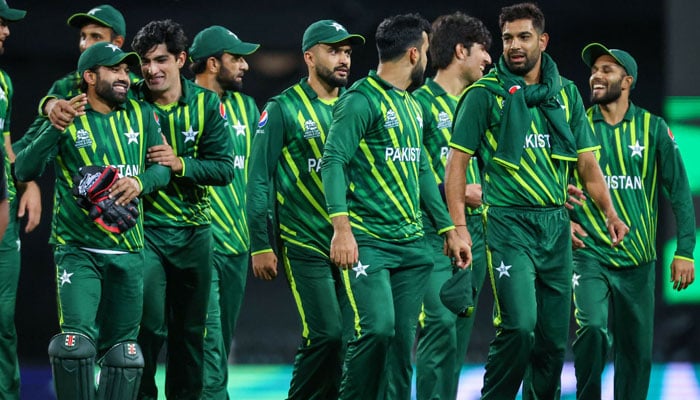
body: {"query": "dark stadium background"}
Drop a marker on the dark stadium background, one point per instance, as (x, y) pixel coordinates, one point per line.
(43, 48)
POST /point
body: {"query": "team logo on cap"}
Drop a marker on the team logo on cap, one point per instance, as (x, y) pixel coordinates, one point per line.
(338, 27)
(263, 119)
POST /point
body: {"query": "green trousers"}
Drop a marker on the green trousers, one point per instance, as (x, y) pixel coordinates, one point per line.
(177, 282)
(385, 290)
(99, 295)
(443, 337)
(227, 289)
(318, 294)
(9, 279)
(630, 293)
(530, 266)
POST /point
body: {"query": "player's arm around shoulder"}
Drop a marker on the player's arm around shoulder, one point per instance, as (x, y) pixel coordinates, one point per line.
(154, 175)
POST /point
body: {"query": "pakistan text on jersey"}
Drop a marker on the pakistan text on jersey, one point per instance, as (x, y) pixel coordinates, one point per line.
(315, 164)
(402, 154)
(623, 182)
(536, 141)
(239, 162)
(127, 170)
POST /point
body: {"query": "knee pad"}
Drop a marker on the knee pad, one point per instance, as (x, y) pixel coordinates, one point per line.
(72, 357)
(120, 372)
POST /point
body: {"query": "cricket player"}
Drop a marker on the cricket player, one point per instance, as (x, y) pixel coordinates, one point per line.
(18, 200)
(219, 65)
(99, 263)
(375, 177)
(286, 162)
(528, 126)
(459, 52)
(640, 160)
(178, 270)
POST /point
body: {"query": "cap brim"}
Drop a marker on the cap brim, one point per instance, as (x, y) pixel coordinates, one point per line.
(81, 19)
(352, 39)
(244, 49)
(592, 51)
(13, 14)
(131, 58)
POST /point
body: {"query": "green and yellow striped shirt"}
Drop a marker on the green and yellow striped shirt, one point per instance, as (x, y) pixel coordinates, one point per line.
(374, 167)
(639, 158)
(541, 181)
(286, 163)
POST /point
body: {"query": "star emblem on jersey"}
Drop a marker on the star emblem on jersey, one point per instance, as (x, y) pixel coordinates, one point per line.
(574, 280)
(65, 277)
(240, 129)
(190, 134)
(133, 136)
(114, 47)
(360, 269)
(636, 149)
(338, 27)
(503, 270)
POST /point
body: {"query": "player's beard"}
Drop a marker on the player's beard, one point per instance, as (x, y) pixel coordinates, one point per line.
(612, 93)
(527, 66)
(326, 75)
(417, 76)
(226, 80)
(107, 93)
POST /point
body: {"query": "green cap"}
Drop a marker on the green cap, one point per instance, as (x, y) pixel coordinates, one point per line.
(105, 54)
(456, 293)
(328, 31)
(10, 14)
(591, 52)
(103, 15)
(217, 39)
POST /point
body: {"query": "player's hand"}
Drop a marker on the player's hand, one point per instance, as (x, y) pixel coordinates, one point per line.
(344, 251)
(458, 249)
(577, 232)
(682, 273)
(30, 205)
(265, 266)
(576, 197)
(617, 229)
(164, 154)
(61, 112)
(472, 195)
(124, 190)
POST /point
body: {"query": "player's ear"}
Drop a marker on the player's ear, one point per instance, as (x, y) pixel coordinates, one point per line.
(90, 77)
(212, 64)
(118, 40)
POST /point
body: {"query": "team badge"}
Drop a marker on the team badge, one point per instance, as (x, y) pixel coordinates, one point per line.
(263, 119)
(514, 89)
(155, 116)
(670, 134)
(390, 120)
(222, 110)
(360, 269)
(311, 130)
(132, 136)
(444, 120)
(82, 139)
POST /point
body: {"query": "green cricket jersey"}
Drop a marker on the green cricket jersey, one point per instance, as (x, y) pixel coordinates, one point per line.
(287, 151)
(195, 128)
(438, 112)
(230, 229)
(64, 88)
(639, 157)
(374, 167)
(541, 181)
(6, 92)
(120, 138)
